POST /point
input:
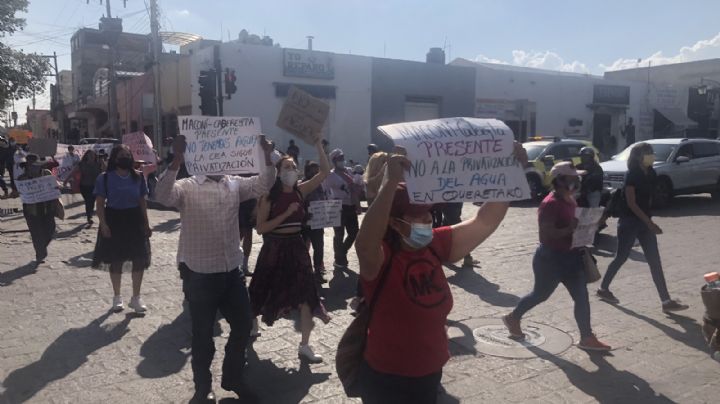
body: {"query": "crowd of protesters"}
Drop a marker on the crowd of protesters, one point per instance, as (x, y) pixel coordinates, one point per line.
(407, 345)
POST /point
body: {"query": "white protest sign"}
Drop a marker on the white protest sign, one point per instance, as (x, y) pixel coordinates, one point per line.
(62, 172)
(141, 147)
(221, 145)
(460, 160)
(41, 189)
(588, 221)
(325, 213)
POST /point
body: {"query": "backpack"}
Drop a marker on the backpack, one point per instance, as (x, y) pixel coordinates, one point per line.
(617, 204)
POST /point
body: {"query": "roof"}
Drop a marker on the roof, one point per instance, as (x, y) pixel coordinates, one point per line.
(676, 116)
(520, 69)
(178, 38)
(677, 140)
(549, 141)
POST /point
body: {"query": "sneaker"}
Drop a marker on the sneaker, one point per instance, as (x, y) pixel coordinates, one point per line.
(117, 304)
(591, 343)
(306, 353)
(137, 304)
(607, 296)
(513, 326)
(673, 305)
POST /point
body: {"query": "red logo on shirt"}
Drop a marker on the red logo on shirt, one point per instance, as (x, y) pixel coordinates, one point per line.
(422, 283)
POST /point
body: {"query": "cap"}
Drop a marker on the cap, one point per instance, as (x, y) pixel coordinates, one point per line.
(565, 168)
(335, 154)
(589, 151)
(401, 205)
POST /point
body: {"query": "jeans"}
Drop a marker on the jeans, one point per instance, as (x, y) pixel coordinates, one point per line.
(629, 229)
(342, 244)
(593, 199)
(87, 193)
(42, 230)
(317, 238)
(206, 294)
(550, 269)
(381, 388)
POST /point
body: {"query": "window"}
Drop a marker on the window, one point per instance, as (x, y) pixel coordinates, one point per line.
(564, 151)
(705, 149)
(685, 151)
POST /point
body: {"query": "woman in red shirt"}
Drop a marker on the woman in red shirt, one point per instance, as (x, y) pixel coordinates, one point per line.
(555, 260)
(407, 344)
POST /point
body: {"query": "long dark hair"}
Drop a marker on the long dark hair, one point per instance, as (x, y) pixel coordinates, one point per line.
(634, 161)
(276, 189)
(112, 161)
(86, 156)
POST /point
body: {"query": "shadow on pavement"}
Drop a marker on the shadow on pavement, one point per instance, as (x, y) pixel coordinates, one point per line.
(606, 246)
(279, 385)
(71, 232)
(81, 261)
(688, 206)
(167, 350)
(62, 357)
(167, 226)
(477, 285)
(606, 384)
(7, 278)
(461, 345)
(690, 336)
(341, 287)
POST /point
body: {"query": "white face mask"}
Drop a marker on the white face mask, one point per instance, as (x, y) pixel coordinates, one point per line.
(289, 177)
(648, 160)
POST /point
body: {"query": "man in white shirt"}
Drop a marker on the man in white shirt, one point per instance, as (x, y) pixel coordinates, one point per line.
(209, 257)
(341, 186)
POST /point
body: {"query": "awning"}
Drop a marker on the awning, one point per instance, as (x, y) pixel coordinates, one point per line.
(676, 116)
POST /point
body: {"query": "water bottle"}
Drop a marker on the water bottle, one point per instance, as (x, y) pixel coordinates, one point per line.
(713, 280)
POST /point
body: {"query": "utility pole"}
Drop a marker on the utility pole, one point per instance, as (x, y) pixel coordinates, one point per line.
(157, 48)
(112, 89)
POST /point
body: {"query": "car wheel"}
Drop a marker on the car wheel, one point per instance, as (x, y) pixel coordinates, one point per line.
(663, 193)
(536, 187)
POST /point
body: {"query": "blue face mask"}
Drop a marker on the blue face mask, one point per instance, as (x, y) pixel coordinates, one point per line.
(420, 235)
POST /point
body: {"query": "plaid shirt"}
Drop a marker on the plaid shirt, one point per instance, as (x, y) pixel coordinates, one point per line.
(210, 232)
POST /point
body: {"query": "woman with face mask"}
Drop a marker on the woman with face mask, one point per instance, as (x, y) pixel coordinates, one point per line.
(635, 223)
(40, 217)
(124, 228)
(555, 260)
(283, 279)
(401, 258)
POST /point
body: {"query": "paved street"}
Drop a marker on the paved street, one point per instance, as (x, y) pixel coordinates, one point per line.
(58, 343)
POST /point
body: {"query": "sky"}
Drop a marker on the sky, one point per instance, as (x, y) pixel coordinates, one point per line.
(569, 35)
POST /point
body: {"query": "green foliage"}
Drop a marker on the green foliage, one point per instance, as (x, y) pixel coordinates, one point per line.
(21, 74)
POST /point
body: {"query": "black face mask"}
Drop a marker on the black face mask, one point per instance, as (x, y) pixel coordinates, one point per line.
(125, 163)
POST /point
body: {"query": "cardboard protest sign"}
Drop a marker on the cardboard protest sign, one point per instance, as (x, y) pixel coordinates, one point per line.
(43, 147)
(221, 145)
(588, 221)
(460, 160)
(141, 147)
(325, 213)
(62, 172)
(41, 189)
(303, 115)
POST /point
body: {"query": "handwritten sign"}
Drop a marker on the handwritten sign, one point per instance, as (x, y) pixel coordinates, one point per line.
(460, 160)
(303, 115)
(141, 147)
(43, 147)
(325, 213)
(221, 145)
(62, 172)
(41, 189)
(588, 221)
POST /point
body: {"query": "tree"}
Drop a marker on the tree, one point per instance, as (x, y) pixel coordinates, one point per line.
(21, 74)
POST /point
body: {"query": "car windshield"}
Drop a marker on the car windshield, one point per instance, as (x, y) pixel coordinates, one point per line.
(662, 152)
(534, 151)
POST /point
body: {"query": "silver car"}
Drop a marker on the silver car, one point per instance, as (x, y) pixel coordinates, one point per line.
(683, 166)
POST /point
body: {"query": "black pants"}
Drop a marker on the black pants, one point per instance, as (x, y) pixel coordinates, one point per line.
(382, 388)
(206, 294)
(451, 213)
(317, 239)
(42, 230)
(342, 244)
(87, 193)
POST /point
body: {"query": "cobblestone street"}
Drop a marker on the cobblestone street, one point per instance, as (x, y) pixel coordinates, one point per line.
(59, 344)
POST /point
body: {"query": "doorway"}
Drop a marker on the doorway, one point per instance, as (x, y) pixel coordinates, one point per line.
(602, 133)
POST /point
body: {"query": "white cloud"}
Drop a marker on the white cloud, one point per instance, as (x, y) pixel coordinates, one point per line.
(540, 60)
(703, 49)
(183, 13)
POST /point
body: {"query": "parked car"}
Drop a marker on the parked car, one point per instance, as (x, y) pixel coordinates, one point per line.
(542, 156)
(683, 166)
(99, 140)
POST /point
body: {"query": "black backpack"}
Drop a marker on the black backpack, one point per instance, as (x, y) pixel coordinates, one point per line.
(617, 204)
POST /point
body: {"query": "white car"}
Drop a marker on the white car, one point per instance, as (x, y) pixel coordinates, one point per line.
(683, 166)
